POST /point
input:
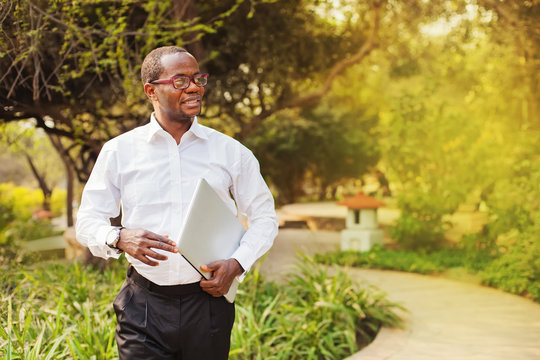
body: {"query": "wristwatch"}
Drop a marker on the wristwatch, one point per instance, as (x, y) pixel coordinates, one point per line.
(113, 237)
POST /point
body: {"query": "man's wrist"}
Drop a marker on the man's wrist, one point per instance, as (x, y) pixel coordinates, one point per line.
(239, 270)
(113, 237)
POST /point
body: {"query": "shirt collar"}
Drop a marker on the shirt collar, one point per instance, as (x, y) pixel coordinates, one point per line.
(154, 128)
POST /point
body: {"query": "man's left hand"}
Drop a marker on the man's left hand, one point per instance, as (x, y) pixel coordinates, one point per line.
(223, 274)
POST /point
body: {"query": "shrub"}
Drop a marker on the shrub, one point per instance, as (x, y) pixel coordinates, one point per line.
(24, 200)
(418, 231)
(422, 262)
(420, 225)
(17, 224)
(517, 270)
(514, 228)
(315, 316)
(380, 258)
(64, 311)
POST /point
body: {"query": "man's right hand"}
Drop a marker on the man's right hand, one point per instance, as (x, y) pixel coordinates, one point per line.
(140, 243)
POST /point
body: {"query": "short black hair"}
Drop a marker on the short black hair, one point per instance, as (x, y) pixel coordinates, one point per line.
(151, 67)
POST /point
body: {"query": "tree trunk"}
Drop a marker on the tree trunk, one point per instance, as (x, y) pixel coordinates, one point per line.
(69, 196)
(45, 189)
(55, 141)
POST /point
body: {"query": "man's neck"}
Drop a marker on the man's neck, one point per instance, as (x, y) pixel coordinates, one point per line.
(177, 128)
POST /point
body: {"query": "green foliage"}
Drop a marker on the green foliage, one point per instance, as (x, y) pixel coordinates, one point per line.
(411, 261)
(317, 147)
(25, 201)
(74, 66)
(17, 224)
(420, 225)
(30, 146)
(517, 270)
(514, 230)
(267, 59)
(58, 311)
(64, 311)
(315, 316)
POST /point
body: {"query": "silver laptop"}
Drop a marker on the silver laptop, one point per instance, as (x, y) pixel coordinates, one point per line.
(211, 232)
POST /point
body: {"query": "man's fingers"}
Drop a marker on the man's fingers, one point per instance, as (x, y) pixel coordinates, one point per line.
(211, 267)
(205, 268)
(160, 238)
(211, 288)
(155, 255)
(147, 261)
(156, 244)
(149, 256)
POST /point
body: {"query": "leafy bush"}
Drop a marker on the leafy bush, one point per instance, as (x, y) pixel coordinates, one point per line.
(18, 225)
(30, 229)
(64, 311)
(418, 231)
(518, 269)
(421, 262)
(24, 200)
(514, 228)
(379, 258)
(420, 225)
(315, 316)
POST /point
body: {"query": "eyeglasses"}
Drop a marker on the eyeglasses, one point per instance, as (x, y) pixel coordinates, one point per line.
(181, 82)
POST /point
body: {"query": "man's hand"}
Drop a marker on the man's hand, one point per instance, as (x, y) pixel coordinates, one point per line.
(139, 243)
(223, 274)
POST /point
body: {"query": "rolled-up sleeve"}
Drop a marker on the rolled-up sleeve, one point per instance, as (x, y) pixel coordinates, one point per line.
(255, 200)
(100, 202)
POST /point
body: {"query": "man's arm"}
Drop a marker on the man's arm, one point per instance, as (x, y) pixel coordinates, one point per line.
(254, 199)
(100, 202)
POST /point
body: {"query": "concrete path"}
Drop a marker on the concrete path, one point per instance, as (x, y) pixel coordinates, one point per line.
(446, 320)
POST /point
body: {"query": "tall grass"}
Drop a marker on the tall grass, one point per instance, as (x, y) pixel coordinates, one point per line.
(64, 311)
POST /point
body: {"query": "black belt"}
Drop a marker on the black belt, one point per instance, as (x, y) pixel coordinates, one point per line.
(168, 290)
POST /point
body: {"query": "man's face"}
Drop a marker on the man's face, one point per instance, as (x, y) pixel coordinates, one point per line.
(178, 105)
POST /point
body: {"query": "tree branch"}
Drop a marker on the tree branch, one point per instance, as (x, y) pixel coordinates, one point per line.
(370, 44)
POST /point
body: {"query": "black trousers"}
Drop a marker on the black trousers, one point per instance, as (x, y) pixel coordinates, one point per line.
(180, 325)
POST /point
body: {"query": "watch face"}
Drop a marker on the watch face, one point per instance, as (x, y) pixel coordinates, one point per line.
(112, 237)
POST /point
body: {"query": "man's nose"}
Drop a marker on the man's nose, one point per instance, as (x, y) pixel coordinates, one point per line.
(192, 87)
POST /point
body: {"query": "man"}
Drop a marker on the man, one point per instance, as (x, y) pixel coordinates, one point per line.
(164, 309)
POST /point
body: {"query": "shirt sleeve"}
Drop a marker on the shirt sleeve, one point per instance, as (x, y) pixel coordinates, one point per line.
(254, 199)
(100, 202)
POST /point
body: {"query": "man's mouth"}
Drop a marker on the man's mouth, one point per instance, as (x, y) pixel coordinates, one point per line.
(193, 100)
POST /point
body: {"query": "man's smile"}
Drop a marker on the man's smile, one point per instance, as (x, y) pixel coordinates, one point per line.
(192, 100)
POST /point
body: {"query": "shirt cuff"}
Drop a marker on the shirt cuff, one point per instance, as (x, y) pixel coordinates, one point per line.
(244, 258)
(101, 241)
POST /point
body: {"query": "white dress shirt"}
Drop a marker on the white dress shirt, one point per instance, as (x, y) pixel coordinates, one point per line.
(153, 179)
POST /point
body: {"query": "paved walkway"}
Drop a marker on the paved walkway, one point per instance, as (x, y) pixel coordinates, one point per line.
(447, 320)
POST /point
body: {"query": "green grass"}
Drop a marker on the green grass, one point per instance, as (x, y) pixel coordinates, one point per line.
(59, 310)
(515, 273)
(421, 262)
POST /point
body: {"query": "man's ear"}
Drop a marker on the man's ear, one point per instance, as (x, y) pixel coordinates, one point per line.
(150, 91)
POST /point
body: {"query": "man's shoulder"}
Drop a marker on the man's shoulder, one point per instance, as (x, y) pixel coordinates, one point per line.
(218, 137)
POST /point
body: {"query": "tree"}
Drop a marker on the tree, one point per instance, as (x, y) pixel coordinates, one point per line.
(73, 66)
(318, 148)
(34, 148)
(518, 24)
(283, 55)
